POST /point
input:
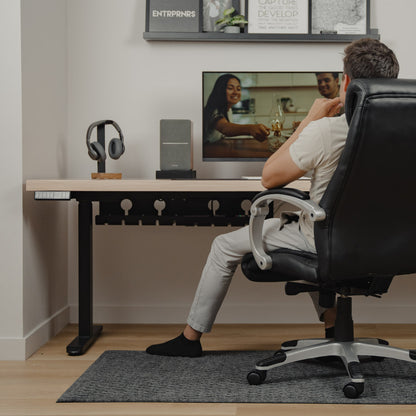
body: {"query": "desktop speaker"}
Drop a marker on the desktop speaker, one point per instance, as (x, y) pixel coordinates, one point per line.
(176, 145)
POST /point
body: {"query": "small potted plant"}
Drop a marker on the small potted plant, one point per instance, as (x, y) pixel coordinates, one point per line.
(231, 22)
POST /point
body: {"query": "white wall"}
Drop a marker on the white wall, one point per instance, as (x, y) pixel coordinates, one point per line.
(84, 60)
(45, 146)
(33, 111)
(11, 238)
(114, 73)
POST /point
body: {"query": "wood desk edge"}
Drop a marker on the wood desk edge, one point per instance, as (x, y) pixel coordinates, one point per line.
(153, 185)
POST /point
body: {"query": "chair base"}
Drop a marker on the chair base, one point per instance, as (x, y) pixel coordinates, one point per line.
(293, 351)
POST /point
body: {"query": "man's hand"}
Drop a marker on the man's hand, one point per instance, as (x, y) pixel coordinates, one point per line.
(324, 107)
(280, 169)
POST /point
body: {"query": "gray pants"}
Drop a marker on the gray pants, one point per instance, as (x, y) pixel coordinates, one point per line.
(226, 253)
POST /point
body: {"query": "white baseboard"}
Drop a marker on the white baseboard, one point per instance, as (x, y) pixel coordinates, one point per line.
(23, 348)
(245, 314)
(45, 331)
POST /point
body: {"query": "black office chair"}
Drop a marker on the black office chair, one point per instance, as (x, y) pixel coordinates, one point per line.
(365, 227)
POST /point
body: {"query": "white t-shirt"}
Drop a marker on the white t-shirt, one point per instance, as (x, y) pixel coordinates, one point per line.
(318, 149)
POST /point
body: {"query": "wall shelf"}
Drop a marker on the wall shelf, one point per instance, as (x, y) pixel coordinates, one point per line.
(254, 37)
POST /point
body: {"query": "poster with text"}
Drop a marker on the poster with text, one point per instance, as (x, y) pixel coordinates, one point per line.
(278, 16)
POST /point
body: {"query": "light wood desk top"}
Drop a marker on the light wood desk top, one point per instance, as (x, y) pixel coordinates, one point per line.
(153, 185)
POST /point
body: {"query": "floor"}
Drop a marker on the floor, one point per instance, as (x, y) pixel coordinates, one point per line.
(32, 387)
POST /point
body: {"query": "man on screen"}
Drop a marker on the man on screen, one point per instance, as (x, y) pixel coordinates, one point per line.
(328, 84)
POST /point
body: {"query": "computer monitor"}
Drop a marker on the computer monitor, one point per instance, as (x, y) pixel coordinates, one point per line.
(278, 100)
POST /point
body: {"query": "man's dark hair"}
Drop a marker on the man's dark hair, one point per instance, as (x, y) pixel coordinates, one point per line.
(370, 58)
(334, 74)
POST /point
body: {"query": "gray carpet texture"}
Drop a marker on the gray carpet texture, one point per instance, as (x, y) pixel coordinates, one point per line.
(220, 377)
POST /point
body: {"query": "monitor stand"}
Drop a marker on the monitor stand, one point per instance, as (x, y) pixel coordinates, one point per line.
(175, 174)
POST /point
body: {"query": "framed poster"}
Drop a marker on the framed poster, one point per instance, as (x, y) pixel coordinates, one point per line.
(272, 16)
(212, 10)
(173, 15)
(340, 17)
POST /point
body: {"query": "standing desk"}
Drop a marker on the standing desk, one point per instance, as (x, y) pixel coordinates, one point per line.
(184, 202)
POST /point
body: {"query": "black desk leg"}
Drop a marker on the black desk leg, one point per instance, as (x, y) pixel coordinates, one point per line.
(87, 332)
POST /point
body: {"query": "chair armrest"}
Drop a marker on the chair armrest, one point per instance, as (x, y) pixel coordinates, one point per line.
(260, 209)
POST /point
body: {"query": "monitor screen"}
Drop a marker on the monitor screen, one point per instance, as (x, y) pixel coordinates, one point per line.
(249, 115)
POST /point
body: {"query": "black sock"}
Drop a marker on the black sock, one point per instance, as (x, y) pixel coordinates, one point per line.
(177, 347)
(330, 332)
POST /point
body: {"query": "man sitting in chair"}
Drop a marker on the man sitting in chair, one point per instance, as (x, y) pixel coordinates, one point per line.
(315, 146)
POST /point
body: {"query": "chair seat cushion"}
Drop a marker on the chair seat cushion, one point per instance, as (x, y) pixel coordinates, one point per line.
(288, 265)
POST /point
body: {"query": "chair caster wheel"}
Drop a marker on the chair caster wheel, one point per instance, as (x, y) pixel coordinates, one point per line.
(353, 390)
(256, 377)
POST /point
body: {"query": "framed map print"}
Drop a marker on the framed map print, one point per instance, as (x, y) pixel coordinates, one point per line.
(341, 17)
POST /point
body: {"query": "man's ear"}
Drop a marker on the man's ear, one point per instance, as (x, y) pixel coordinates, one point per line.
(347, 81)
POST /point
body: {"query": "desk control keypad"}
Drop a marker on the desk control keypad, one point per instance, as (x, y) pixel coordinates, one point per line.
(53, 195)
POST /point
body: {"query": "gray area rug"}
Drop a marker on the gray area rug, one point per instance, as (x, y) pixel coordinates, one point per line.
(220, 377)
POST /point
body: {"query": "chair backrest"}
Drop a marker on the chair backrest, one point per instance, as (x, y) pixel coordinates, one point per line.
(370, 202)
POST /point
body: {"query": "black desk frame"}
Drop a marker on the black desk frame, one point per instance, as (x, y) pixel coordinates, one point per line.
(181, 208)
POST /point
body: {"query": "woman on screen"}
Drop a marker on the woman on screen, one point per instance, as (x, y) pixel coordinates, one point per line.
(218, 114)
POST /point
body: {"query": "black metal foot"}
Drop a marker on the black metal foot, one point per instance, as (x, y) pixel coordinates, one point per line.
(81, 344)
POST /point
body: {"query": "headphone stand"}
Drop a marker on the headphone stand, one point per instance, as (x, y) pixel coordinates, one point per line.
(96, 150)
